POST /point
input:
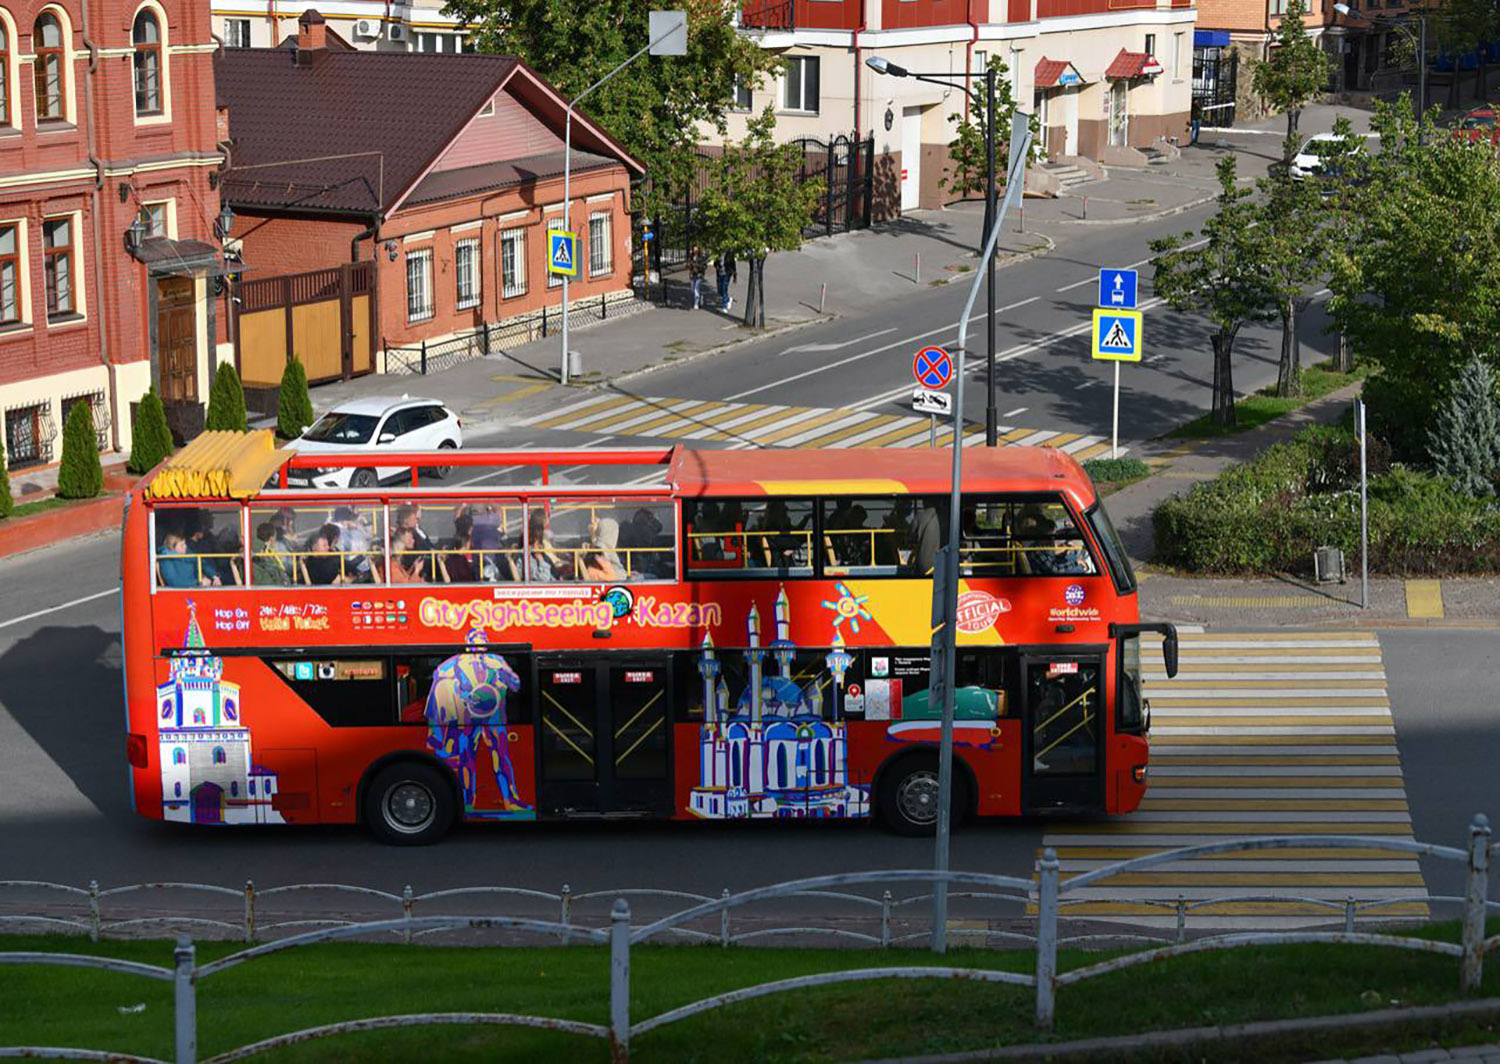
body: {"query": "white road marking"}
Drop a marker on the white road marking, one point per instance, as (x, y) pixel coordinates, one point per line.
(62, 606)
(1013, 413)
(809, 348)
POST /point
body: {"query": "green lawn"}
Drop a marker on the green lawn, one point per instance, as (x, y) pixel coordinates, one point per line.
(322, 984)
(1255, 410)
(26, 509)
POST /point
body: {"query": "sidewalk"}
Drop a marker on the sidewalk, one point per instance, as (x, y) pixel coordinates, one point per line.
(1486, 1054)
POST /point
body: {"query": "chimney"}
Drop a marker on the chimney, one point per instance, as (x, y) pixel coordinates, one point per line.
(312, 35)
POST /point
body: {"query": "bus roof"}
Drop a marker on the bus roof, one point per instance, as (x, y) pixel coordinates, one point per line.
(919, 471)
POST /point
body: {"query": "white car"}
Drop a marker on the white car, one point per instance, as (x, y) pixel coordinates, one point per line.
(1313, 158)
(374, 425)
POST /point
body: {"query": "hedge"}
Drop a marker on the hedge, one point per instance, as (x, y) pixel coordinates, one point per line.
(80, 475)
(1270, 514)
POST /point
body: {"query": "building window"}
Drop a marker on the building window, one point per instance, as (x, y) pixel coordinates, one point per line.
(1276, 7)
(419, 284)
(466, 272)
(10, 274)
(1151, 44)
(513, 263)
(57, 266)
(25, 443)
(601, 250)
(800, 88)
(147, 38)
(744, 97)
(237, 33)
(220, 757)
(439, 42)
(4, 76)
(154, 218)
(554, 280)
(51, 85)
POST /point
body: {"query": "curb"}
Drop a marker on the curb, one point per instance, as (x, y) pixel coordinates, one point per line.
(1211, 1038)
(1153, 216)
(21, 534)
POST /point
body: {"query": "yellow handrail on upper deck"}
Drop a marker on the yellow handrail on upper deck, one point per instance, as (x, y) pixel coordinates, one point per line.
(219, 465)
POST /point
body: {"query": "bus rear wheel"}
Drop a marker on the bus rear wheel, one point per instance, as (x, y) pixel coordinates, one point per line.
(409, 804)
(907, 802)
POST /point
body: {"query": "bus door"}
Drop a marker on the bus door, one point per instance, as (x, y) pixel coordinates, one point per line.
(1063, 718)
(603, 738)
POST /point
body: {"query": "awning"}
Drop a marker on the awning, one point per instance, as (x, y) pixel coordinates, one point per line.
(1210, 38)
(1051, 73)
(1130, 65)
(179, 258)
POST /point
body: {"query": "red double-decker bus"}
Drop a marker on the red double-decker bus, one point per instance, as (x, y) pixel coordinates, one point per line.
(748, 637)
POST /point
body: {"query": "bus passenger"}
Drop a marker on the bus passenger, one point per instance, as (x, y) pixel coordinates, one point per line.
(642, 538)
(178, 570)
(544, 565)
(324, 561)
(268, 568)
(411, 517)
(456, 562)
(779, 546)
(927, 537)
(602, 561)
(356, 540)
(407, 566)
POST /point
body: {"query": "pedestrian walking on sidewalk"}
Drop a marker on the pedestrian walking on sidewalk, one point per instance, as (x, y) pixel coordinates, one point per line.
(724, 270)
(697, 267)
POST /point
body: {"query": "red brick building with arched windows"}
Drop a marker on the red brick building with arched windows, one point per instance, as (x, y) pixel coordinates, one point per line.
(108, 210)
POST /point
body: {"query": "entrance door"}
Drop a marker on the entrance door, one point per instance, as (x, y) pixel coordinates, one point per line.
(208, 804)
(1063, 749)
(176, 339)
(1070, 122)
(911, 158)
(1119, 114)
(604, 737)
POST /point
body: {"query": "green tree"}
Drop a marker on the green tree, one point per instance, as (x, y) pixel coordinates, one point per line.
(1340, 186)
(1221, 278)
(654, 106)
(1296, 72)
(150, 439)
(968, 150)
(1464, 441)
(1291, 243)
(1416, 283)
(226, 401)
(294, 410)
(7, 503)
(755, 205)
(80, 475)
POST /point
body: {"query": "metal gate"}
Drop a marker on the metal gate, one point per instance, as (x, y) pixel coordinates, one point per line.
(326, 318)
(1215, 78)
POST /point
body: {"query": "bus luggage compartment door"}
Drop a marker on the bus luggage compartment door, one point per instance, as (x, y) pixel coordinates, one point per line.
(604, 737)
(1062, 759)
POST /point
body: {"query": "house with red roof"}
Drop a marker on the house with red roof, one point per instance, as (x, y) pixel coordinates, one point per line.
(383, 199)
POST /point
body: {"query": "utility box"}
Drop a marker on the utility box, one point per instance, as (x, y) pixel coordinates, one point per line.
(1328, 565)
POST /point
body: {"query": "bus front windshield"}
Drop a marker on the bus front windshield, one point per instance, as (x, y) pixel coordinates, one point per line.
(1114, 549)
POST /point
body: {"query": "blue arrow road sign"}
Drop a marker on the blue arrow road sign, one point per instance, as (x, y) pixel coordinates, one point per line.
(562, 252)
(1117, 289)
(932, 368)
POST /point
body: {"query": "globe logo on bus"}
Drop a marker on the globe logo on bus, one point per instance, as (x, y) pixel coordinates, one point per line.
(621, 600)
(1074, 594)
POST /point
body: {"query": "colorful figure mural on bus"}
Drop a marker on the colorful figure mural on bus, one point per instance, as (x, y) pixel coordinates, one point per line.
(208, 775)
(466, 710)
(773, 754)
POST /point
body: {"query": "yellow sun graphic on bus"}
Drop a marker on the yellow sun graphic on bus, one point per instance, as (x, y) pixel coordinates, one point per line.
(848, 607)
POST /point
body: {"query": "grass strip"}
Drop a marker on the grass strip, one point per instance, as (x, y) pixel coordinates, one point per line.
(26, 509)
(1253, 411)
(342, 981)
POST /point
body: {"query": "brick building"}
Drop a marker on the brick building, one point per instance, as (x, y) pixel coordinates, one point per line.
(385, 198)
(108, 215)
(1234, 35)
(1107, 77)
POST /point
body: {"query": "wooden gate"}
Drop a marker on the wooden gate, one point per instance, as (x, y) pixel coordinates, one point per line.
(326, 318)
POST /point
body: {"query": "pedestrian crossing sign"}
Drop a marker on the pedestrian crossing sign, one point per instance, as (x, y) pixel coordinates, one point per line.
(562, 252)
(1117, 335)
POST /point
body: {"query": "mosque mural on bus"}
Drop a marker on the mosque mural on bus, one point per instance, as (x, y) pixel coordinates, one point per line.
(770, 752)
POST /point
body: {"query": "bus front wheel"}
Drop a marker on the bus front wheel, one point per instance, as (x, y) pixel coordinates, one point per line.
(409, 804)
(907, 802)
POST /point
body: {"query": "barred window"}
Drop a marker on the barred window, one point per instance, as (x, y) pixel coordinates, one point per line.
(558, 222)
(466, 272)
(237, 33)
(512, 263)
(98, 413)
(419, 284)
(601, 251)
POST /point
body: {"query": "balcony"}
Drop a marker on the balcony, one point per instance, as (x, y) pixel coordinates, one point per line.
(768, 15)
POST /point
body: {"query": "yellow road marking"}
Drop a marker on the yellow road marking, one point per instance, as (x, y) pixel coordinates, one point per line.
(801, 427)
(1272, 740)
(899, 433)
(1424, 598)
(732, 411)
(1126, 852)
(562, 420)
(1275, 782)
(1233, 828)
(1262, 879)
(851, 430)
(1191, 683)
(1016, 434)
(1105, 908)
(514, 395)
(1209, 761)
(645, 427)
(1062, 439)
(642, 408)
(1363, 701)
(755, 423)
(1248, 721)
(1090, 452)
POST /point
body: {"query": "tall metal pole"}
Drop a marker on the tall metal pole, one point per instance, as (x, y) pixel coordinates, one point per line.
(1364, 509)
(991, 419)
(1422, 65)
(1020, 146)
(567, 220)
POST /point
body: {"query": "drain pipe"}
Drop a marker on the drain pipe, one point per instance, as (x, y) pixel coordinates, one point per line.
(88, 116)
(857, 64)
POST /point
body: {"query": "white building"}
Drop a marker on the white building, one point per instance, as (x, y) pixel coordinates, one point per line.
(369, 25)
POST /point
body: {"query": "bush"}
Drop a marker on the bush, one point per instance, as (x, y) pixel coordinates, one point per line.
(1464, 441)
(295, 411)
(150, 439)
(80, 476)
(226, 402)
(1269, 515)
(6, 502)
(1112, 470)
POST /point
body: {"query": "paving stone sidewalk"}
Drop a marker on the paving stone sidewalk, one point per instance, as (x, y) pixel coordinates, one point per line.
(1485, 1054)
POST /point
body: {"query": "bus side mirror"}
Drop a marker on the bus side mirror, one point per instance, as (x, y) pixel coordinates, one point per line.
(1169, 651)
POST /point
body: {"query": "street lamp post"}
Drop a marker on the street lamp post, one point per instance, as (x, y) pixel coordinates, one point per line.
(1419, 39)
(668, 32)
(884, 66)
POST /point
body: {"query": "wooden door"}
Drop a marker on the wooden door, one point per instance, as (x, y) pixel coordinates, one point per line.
(176, 339)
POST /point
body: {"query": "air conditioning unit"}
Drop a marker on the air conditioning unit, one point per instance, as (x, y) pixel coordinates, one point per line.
(396, 31)
(366, 29)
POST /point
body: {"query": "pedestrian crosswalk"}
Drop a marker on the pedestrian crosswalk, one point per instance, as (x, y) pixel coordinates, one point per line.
(1260, 734)
(718, 423)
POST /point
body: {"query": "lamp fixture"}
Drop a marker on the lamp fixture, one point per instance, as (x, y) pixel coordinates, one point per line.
(390, 249)
(135, 232)
(225, 222)
(882, 65)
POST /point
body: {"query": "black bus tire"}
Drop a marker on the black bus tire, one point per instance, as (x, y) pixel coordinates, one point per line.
(409, 804)
(907, 800)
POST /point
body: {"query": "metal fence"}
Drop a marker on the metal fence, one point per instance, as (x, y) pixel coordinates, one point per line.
(1047, 896)
(434, 356)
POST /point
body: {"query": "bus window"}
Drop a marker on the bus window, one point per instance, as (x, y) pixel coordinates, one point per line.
(459, 542)
(345, 692)
(317, 545)
(1114, 550)
(982, 681)
(734, 535)
(875, 537)
(601, 540)
(1021, 537)
(199, 546)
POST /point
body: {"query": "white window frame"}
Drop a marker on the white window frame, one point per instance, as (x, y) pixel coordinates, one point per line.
(232, 24)
(79, 311)
(795, 72)
(164, 116)
(23, 277)
(70, 82)
(605, 251)
(472, 299)
(416, 309)
(12, 72)
(169, 216)
(742, 86)
(512, 285)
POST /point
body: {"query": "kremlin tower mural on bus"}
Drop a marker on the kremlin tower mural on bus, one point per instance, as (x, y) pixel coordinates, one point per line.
(208, 775)
(771, 753)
